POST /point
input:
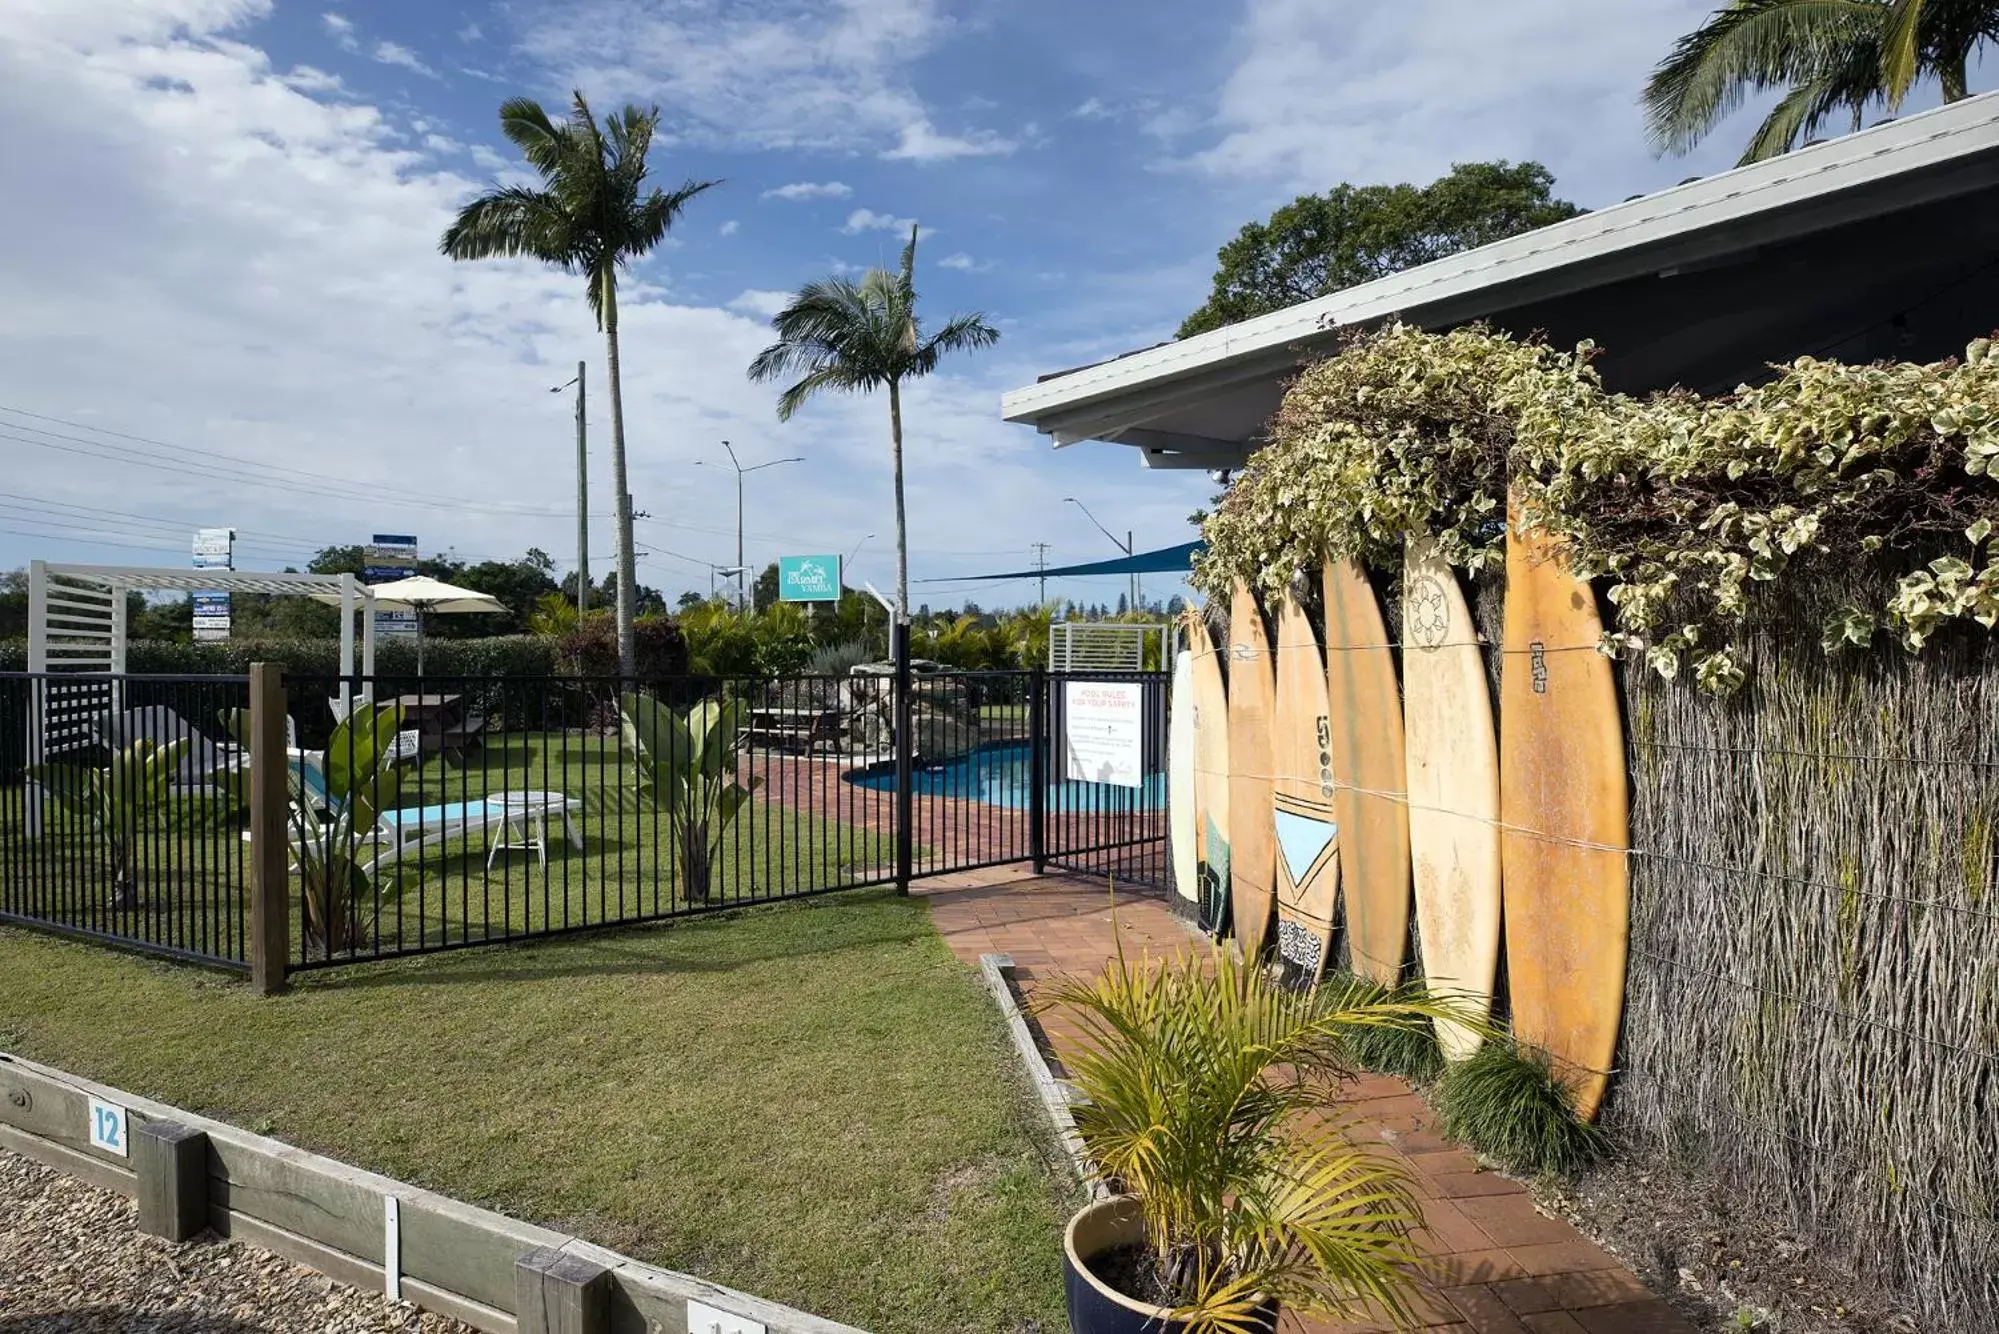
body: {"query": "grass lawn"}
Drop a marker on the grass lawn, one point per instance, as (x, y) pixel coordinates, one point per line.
(814, 1102)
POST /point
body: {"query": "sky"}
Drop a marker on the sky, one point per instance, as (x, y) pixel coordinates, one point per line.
(221, 301)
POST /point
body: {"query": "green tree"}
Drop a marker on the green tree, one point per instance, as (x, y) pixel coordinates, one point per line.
(839, 334)
(1830, 57)
(592, 216)
(1353, 234)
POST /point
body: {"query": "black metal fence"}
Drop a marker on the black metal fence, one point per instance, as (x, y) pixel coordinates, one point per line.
(435, 814)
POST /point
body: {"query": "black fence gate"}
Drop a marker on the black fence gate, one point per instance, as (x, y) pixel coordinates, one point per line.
(404, 816)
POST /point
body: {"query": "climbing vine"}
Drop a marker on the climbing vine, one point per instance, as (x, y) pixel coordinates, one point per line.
(1682, 506)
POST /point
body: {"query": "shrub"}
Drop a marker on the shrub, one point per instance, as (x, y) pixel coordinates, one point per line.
(1505, 1101)
(1408, 1049)
(592, 647)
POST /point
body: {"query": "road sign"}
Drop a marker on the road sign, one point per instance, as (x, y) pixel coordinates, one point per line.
(808, 578)
(214, 549)
(391, 556)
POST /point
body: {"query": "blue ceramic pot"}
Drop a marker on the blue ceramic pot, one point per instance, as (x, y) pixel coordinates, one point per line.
(1094, 1306)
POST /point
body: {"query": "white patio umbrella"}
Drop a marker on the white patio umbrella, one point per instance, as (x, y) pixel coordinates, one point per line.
(422, 594)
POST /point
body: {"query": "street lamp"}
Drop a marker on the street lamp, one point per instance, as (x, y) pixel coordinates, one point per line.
(843, 571)
(1125, 546)
(582, 498)
(740, 471)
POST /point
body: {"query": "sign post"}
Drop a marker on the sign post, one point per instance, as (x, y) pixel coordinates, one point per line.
(390, 556)
(808, 578)
(214, 549)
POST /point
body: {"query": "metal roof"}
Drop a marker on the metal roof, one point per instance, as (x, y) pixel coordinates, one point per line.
(1164, 398)
(170, 580)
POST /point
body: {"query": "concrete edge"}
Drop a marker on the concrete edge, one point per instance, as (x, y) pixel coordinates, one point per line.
(658, 1297)
(1055, 1096)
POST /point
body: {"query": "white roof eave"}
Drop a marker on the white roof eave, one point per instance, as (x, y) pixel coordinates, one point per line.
(1079, 405)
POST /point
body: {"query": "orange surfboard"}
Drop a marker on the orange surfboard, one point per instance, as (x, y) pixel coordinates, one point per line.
(1309, 841)
(1370, 799)
(1252, 851)
(1565, 813)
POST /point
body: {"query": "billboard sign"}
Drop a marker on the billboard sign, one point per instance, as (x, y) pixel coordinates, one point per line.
(213, 549)
(808, 578)
(390, 556)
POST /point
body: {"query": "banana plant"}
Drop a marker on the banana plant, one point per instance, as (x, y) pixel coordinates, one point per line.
(334, 814)
(120, 802)
(686, 768)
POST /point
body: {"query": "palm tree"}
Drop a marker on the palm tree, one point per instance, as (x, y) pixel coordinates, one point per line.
(839, 334)
(591, 216)
(1830, 57)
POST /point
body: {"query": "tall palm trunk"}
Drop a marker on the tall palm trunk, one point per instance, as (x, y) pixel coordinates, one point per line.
(627, 564)
(901, 519)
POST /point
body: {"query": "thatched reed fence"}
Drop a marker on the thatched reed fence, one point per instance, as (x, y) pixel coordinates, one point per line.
(1813, 1008)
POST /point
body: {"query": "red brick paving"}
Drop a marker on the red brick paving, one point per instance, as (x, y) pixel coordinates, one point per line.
(1503, 1267)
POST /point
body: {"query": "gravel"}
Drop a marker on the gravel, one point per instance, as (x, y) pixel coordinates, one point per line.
(73, 1260)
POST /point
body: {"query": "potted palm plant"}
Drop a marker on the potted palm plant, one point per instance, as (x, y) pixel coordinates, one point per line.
(1228, 1192)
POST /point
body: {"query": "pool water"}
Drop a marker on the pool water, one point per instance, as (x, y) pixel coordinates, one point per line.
(998, 776)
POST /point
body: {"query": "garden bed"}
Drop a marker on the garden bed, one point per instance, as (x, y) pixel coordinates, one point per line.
(814, 1102)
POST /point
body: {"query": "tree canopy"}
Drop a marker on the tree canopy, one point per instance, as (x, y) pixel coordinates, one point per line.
(1352, 234)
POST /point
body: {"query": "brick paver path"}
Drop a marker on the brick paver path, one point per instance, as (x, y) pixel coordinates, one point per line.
(1504, 1267)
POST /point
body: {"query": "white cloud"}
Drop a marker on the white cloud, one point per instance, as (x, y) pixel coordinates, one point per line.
(1093, 108)
(1324, 94)
(921, 142)
(728, 228)
(392, 53)
(470, 33)
(811, 190)
(761, 303)
(488, 160)
(309, 79)
(867, 220)
(819, 74)
(964, 263)
(342, 30)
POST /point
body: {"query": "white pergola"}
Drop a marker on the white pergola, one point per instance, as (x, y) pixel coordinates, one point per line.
(76, 626)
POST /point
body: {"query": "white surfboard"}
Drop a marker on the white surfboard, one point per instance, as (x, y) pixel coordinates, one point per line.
(1182, 808)
(1452, 757)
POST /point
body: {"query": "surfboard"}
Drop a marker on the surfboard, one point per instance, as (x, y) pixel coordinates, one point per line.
(1370, 799)
(1308, 836)
(1211, 777)
(1565, 811)
(1453, 772)
(1252, 850)
(1181, 816)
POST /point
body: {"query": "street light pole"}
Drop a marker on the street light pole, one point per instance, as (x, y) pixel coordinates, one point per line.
(582, 498)
(865, 614)
(741, 564)
(1127, 546)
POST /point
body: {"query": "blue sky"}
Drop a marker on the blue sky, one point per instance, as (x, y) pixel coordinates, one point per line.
(223, 215)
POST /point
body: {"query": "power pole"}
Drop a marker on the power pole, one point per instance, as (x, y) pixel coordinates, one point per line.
(582, 504)
(1041, 563)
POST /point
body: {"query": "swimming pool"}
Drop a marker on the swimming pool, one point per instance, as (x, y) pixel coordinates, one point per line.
(998, 776)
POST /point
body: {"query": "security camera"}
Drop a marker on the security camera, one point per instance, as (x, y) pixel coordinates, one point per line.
(1219, 476)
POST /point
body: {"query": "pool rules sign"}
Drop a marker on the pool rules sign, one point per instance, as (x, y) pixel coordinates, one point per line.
(1103, 725)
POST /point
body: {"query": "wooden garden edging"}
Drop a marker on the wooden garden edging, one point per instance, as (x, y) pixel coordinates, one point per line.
(494, 1272)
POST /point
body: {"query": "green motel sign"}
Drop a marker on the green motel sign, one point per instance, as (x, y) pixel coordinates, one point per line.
(808, 578)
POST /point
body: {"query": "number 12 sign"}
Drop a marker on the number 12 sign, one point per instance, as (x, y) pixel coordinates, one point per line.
(107, 1127)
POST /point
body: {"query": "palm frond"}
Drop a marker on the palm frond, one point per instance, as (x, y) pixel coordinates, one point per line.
(824, 377)
(1797, 115)
(1749, 46)
(1901, 50)
(527, 127)
(514, 221)
(964, 333)
(657, 213)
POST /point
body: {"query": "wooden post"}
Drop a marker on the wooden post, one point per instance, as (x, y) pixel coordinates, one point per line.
(270, 804)
(557, 1293)
(171, 1162)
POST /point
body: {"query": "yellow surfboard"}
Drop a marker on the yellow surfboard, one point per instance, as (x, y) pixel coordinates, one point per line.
(1252, 852)
(1211, 777)
(1565, 808)
(1309, 842)
(1453, 768)
(1370, 802)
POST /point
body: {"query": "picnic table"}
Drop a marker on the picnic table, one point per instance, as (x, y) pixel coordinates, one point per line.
(804, 728)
